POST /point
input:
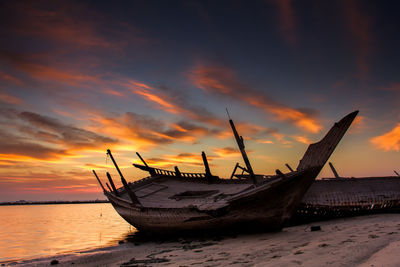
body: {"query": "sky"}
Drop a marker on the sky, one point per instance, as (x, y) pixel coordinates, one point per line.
(155, 77)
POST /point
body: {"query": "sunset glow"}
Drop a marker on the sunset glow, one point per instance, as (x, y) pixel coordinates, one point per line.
(78, 78)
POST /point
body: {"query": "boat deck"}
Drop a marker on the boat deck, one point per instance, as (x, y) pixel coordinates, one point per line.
(174, 192)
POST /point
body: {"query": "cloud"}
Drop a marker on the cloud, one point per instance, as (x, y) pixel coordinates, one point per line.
(10, 78)
(223, 81)
(388, 141)
(302, 139)
(144, 131)
(30, 136)
(10, 99)
(287, 20)
(72, 24)
(265, 141)
(227, 152)
(176, 103)
(53, 130)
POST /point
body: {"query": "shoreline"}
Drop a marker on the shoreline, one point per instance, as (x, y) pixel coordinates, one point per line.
(363, 240)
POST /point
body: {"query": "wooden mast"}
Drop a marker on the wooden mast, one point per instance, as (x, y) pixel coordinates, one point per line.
(95, 174)
(239, 141)
(288, 166)
(334, 170)
(126, 186)
(112, 184)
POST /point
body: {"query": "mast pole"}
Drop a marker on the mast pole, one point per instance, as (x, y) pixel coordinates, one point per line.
(334, 170)
(239, 141)
(115, 164)
(126, 186)
(97, 177)
(112, 184)
(288, 166)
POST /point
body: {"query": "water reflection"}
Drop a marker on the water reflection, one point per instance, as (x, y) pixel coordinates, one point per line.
(43, 230)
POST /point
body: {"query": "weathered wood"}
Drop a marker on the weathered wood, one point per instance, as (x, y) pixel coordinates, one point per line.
(112, 184)
(115, 163)
(207, 168)
(108, 186)
(240, 143)
(234, 170)
(337, 197)
(131, 195)
(288, 166)
(334, 170)
(99, 181)
(279, 173)
(144, 162)
(318, 153)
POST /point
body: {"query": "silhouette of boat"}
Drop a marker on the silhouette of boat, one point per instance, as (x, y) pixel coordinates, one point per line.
(178, 201)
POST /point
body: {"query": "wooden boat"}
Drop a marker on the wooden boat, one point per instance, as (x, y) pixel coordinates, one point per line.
(178, 201)
(348, 196)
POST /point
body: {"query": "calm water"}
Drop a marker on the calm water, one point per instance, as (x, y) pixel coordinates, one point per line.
(44, 230)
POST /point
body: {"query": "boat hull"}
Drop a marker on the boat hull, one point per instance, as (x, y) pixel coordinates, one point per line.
(342, 197)
(265, 207)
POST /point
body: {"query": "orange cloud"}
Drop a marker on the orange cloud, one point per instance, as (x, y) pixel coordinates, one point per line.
(388, 141)
(263, 141)
(156, 99)
(8, 77)
(10, 99)
(227, 152)
(32, 137)
(298, 118)
(43, 72)
(137, 84)
(68, 23)
(302, 139)
(223, 81)
(175, 104)
(142, 131)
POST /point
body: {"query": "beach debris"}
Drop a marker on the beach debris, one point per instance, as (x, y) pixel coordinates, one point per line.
(145, 262)
(315, 228)
(54, 262)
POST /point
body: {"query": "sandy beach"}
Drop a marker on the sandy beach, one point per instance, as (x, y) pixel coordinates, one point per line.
(372, 240)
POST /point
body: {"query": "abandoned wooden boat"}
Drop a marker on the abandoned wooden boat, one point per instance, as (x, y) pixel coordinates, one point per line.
(348, 196)
(174, 200)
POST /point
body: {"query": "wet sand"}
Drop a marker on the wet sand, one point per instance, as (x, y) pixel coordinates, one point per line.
(372, 240)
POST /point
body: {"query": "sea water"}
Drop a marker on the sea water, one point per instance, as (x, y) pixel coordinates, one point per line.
(31, 231)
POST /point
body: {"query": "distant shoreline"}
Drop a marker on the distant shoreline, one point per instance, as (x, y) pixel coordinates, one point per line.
(18, 203)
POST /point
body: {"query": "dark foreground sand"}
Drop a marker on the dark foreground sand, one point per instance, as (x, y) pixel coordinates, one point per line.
(361, 241)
